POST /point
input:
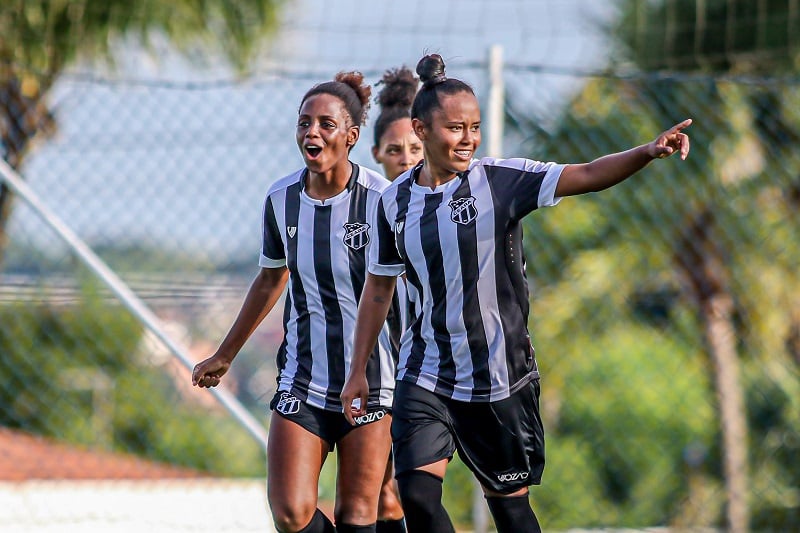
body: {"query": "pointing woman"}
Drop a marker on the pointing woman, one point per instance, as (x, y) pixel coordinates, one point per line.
(467, 374)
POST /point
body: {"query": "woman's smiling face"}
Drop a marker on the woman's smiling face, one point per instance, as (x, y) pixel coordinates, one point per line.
(453, 135)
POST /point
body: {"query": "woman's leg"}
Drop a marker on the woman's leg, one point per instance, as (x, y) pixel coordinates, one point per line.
(294, 459)
(390, 512)
(421, 494)
(423, 446)
(512, 512)
(362, 455)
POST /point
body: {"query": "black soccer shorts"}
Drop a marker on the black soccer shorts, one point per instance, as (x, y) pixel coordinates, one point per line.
(502, 442)
(330, 426)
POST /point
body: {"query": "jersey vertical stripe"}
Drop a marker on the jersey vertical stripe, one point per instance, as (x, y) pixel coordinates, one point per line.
(326, 285)
(299, 335)
(324, 244)
(434, 266)
(460, 247)
(388, 249)
(468, 241)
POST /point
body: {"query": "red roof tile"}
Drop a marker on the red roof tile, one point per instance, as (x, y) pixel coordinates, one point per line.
(25, 457)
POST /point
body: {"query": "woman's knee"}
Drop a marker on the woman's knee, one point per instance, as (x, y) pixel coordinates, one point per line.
(421, 494)
(389, 502)
(420, 491)
(292, 516)
(355, 509)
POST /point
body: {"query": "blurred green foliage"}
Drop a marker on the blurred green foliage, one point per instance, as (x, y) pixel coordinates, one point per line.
(76, 374)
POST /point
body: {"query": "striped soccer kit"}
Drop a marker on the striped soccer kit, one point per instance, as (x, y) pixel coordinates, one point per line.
(325, 246)
(460, 246)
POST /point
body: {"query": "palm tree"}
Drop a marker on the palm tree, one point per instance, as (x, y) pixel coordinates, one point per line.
(40, 38)
(728, 37)
(744, 147)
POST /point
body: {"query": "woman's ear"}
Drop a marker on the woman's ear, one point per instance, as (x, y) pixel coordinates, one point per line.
(375, 154)
(352, 136)
(419, 128)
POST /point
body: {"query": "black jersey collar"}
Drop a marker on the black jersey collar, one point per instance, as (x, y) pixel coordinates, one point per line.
(353, 177)
(415, 172)
(350, 184)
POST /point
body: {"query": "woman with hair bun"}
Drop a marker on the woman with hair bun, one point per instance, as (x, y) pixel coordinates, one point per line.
(316, 238)
(397, 148)
(467, 374)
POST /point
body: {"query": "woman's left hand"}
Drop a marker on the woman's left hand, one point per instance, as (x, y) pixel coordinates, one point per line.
(671, 141)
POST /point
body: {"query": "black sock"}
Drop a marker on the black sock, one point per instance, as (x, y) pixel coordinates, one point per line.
(349, 528)
(513, 514)
(391, 526)
(319, 524)
(421, 498)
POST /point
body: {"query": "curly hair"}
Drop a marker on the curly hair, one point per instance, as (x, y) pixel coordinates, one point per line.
(395, 99)
(349, 87)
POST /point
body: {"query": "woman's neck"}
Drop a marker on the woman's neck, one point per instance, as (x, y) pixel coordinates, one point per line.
(433, 177)
(324, 185)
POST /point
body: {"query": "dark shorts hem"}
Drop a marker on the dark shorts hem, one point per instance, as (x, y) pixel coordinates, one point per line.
(330, 426)
(501, 442)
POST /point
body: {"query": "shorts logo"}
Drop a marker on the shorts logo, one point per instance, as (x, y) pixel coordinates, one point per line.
(288, 404)
(291, 231)
(370, 417)
(463, 210)
(356, 235)
(513, 476)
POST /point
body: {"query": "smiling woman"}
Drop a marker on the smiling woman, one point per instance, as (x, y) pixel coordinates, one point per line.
(468, 380)
(316, 237)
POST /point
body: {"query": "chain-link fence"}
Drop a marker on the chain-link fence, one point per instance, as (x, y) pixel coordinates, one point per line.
(665, 312)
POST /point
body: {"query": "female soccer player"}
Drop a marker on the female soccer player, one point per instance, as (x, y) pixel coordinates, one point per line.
(316, 235)
(467, 375)
(397, 148)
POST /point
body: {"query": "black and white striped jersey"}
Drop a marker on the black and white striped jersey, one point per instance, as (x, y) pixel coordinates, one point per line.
(325, 246)
(460, 246)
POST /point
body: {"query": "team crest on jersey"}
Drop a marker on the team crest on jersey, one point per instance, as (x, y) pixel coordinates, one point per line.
(398, 227)
(463, 210)
(291, 231)
(288, 404)
(356, 235)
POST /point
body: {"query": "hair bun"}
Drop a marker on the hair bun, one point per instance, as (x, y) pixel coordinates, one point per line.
(431, 70)
(399, 88)
(358, 107)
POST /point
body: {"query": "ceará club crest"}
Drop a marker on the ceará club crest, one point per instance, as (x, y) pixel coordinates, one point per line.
(463, 210)
(356, 235)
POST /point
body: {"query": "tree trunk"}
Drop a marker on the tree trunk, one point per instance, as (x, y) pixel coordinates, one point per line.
(721, 339)
(23, 116)
(5, 214)
(702, 265)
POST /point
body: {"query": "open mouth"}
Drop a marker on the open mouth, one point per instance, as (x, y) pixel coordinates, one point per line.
(313, 151)
(463, 154)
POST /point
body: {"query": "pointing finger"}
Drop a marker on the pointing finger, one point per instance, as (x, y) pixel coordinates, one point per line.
(681, 125)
